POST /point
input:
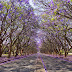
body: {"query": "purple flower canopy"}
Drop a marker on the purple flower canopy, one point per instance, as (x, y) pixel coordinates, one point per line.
(26, 1)
(1, 6)
(68, 1)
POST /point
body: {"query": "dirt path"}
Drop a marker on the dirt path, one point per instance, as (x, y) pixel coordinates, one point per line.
(30, 64)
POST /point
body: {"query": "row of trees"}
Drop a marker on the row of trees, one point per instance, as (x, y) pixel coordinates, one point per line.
(57, 26)
(18, 26)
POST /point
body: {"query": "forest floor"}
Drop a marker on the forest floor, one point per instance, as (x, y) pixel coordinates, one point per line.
(46, 63)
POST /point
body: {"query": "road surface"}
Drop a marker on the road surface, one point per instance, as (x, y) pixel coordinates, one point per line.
(32, 64)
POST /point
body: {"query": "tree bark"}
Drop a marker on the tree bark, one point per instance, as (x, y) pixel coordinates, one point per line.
(10, 49)
(0, 51)
(13, 53)
(1, 41)
(9, 54)
(16, 52)
(21, 52)
(65, 53)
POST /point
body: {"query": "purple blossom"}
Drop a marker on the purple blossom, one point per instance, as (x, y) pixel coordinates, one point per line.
(61, 20)
(3, 14)
(26, 1)
(64, 29)
(1, 6)
(20, 17)
(52, 34)
(68, 1)
(20, 0)
(9, 15)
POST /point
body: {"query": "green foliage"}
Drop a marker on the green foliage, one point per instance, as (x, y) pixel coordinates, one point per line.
(70, 0)
(70, 51)
(70, 30)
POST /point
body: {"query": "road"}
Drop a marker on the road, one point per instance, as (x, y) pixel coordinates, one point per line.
(32, 64)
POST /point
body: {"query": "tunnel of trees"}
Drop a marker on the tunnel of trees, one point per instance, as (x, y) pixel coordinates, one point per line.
(19, 27)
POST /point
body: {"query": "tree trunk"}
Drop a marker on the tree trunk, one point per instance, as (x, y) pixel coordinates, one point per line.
(25, 53)
(1, 46)
(21, 51)
(13, 53)
(16, 52)
(0, 51)
(65, 53)
(10, 49)
(9, 54)
(59, 53)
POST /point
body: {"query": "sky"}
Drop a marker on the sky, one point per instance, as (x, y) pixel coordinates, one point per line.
(31, 3)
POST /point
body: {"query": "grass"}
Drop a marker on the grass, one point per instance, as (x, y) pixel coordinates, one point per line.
(4, 54)
(7, 54)
(68, 53)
